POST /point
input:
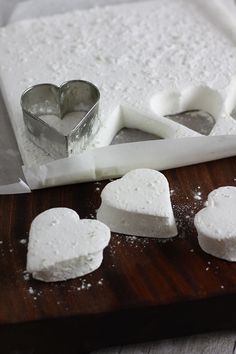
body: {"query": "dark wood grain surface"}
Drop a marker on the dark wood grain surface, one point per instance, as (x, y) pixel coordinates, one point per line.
(145, 288)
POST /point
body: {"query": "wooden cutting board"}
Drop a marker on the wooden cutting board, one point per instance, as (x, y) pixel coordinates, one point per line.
(145, 289)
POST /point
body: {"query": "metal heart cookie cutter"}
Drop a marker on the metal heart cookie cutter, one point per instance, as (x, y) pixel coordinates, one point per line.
(61, 120)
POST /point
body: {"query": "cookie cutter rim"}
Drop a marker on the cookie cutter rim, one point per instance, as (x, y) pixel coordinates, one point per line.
(89, 115)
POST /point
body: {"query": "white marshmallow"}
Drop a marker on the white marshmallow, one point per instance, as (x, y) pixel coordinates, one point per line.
(159, 46)
(61, 246)
(138, 204)
(216, 224)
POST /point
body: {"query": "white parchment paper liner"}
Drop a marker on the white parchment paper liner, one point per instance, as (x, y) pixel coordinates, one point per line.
(116, 160)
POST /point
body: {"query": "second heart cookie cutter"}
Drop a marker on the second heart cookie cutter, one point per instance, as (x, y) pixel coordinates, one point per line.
(45, 104)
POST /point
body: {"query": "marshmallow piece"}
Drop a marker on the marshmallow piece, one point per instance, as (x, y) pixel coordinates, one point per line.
(138, 204)
(61, 246)
(216, 224)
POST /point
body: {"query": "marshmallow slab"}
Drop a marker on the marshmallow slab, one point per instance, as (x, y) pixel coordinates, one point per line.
(61, 246)
(161, 45)
(216, 224)
(138, 204)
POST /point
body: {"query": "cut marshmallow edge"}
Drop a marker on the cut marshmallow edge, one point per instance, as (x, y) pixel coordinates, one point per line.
(216, 224)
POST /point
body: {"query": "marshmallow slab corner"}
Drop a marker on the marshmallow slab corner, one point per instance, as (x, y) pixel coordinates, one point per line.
(216, 224)
(138, 204)
(61, 246)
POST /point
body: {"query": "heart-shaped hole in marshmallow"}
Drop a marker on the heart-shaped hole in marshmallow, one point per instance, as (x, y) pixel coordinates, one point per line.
(202, 114)
(216, 224)
(126, 135)
(62, 246)
(197, 108)
(138, 204)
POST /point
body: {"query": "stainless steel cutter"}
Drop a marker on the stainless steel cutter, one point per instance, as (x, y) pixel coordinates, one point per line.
(49, 100)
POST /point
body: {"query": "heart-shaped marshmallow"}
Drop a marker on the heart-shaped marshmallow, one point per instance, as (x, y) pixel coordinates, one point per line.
(61, 246)
(138, 204)
(216, 224)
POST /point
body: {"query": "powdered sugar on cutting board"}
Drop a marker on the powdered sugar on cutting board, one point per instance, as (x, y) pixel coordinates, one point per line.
(185, 207)
(129, 58)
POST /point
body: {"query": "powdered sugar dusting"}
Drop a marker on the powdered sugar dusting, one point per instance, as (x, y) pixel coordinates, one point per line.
(185, 207)
(84, 285)
(23, 241)
(197, 194)
(131, 58)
